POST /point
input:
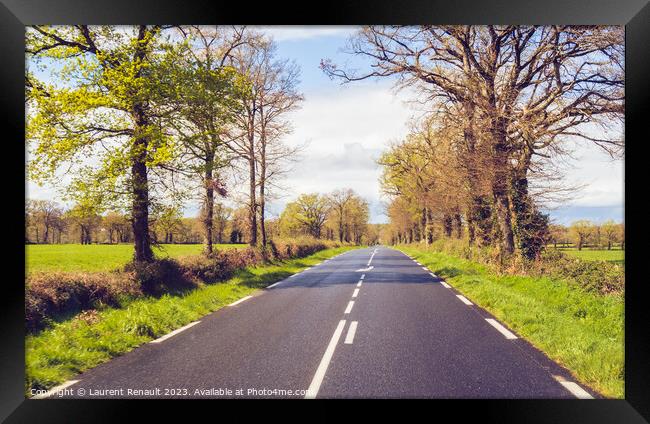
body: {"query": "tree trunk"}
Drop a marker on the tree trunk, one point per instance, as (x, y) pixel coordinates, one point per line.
(500, 193)
(252, 213)
(209, 208)
(458, 225)
(447, 224)
(262, 200)
(140, 200)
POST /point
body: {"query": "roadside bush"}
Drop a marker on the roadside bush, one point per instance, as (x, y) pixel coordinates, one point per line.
(57, 295)
(50, 294)
(597, 276)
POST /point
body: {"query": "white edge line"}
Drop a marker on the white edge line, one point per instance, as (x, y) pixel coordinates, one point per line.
(425, 268)
(349, 338)
(464, 299)
(240, 300)
(349, 307)
(445, 284)
(175, 332)
(275, 284)
(574, 388)
(54, 390)
(501, 329)
(312, 391)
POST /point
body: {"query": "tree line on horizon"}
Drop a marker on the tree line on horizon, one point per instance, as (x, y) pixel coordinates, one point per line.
(501, 108)
(338, 216)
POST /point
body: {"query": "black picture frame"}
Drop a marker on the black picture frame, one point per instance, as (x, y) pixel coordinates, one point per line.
(634, 14)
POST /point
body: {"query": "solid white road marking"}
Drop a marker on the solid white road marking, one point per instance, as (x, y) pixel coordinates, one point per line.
(464, 299)
(575, 390)
(275, 284)
(55, 390)
(349, 308)
(294, 275)
(363, 276)
(364, 269)
(356, 293)
(312, 391)
(501, 329)
(359, 283)
(240, 300)
(445, 284)
(175, 332)
(349, 338)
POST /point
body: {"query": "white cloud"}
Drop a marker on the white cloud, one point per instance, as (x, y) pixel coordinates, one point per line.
(302, 32)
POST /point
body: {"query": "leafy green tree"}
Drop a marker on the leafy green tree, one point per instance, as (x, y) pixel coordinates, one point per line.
(610, 231)
(581, 232)
(204, 95)
(307, 214)
(101, 105)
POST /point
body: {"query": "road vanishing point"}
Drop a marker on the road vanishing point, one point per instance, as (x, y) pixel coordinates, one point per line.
(368, 323)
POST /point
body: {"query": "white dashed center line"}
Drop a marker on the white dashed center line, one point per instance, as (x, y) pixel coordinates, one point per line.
(349, 308)
(349, 338)
(356, 293)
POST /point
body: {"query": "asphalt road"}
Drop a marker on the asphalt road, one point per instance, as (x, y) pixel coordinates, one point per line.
(338, 330)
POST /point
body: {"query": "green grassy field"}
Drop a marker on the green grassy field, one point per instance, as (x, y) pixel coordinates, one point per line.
(99, 257)
(615, 256)
(581, 331)
(70, 347)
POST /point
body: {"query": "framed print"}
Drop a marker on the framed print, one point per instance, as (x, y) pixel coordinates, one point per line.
(374, 201)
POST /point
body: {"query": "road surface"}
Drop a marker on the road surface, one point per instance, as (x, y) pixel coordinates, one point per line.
(367, 323)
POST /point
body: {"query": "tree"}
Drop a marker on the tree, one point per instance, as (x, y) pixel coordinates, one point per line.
(306, 214)
(339, 201)
(168, 222)
(259, 130)
(102, 108)
(581, 232)
(205, 94)
(610, 231)
(117, 226)
(47, 214)
(85, 215)
(518, 90)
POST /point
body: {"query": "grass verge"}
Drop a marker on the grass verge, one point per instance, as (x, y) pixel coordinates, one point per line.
(580, 330)
(73, 346)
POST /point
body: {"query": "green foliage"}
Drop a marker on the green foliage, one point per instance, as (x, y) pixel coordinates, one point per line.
(581, 330)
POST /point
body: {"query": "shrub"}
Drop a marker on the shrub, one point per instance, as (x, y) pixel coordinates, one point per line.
(597, 276)
(58, 295)
(51, 294)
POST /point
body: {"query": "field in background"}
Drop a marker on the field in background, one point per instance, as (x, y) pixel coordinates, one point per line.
(615, 256)
(99, 257)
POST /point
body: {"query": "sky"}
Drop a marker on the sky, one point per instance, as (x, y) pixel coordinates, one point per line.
(346, 127)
